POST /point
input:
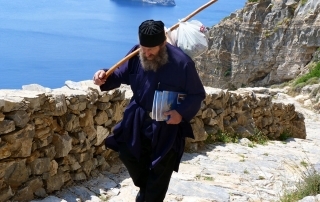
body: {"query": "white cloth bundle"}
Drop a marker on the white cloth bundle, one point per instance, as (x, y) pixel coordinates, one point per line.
(191, 38)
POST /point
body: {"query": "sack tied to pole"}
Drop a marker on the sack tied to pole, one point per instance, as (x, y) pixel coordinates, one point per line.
(191, 39)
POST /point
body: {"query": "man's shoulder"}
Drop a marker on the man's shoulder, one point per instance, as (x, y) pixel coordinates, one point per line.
(135, 47)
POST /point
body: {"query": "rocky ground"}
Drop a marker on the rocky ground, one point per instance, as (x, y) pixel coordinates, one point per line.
(219, 172)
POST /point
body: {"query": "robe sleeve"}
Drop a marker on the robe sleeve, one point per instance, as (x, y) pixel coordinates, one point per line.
(195, 93)
(119, 76)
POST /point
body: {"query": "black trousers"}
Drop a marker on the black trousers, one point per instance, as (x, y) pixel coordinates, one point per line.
(153, 182)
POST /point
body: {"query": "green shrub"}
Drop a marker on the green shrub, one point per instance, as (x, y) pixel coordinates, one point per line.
(210, 139)
(259, 137)
(285, 135)
(314, 73)
(253, 0)
(226, 137)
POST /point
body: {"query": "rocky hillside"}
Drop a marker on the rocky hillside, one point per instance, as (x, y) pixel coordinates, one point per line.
(267, 42)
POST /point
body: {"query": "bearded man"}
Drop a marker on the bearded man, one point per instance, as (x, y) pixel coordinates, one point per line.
(151, 150)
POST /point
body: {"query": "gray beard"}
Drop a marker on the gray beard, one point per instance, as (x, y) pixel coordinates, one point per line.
(157, 62)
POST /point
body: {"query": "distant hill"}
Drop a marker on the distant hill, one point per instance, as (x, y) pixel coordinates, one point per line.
(161, 2)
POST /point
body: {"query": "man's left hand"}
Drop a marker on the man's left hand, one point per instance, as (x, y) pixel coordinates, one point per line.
(175, 117)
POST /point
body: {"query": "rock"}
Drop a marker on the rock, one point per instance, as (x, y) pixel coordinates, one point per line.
(50, 199)
(102, 133)
(27, 193)
(20, 118)
(15, 173)
(7, 126)
(40, 166)
(244, 142)
(63, 145)
(36, 87)
(161, 2)
(200, 190)
(198, 128)
(10, 103)
(54, 183)
(19, 142)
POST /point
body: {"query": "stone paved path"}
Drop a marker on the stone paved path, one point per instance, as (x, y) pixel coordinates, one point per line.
(219, 172)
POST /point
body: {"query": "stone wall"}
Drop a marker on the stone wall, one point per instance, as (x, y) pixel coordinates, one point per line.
(50, 139)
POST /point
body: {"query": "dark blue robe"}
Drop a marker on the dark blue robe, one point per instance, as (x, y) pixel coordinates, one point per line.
(179, 75)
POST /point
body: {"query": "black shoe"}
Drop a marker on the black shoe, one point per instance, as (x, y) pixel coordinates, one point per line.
(140, 196)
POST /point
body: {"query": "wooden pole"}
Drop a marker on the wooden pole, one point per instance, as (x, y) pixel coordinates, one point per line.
(114, 67)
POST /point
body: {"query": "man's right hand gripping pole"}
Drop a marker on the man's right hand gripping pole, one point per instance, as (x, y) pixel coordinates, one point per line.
(99, 77)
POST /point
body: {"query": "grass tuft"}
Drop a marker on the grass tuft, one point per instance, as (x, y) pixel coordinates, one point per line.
(259, 137)
(285, 135)
(303, 2)
(226, 137)
(308, 186)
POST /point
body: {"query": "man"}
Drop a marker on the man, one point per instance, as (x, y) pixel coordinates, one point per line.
(151, 150)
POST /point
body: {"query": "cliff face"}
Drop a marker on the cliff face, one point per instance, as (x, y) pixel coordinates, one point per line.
(265, 43)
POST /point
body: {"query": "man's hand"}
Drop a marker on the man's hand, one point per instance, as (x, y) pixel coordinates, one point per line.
(99, 77)
(175, 117)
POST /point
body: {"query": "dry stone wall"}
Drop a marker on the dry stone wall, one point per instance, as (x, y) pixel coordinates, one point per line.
(50, 139)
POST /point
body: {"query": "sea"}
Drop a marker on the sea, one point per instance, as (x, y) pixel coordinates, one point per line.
(49, 42)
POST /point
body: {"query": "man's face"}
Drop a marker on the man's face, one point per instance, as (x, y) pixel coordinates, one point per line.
(152, 58)
(150, 52)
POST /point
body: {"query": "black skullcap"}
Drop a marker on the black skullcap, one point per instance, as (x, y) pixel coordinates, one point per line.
(151, 33)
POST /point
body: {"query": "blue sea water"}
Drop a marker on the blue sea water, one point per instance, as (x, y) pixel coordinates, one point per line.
(49, 42)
